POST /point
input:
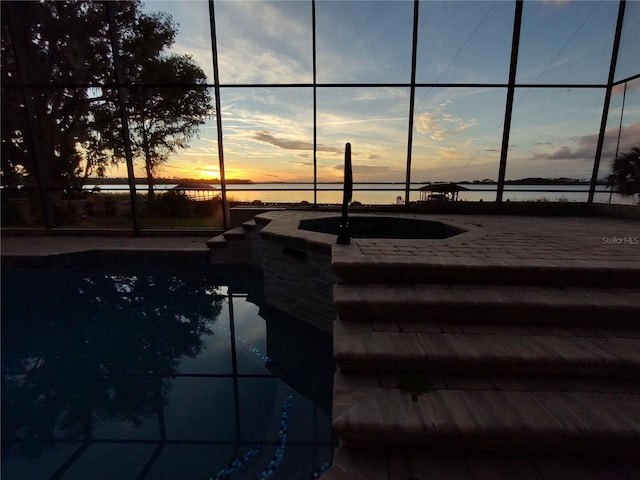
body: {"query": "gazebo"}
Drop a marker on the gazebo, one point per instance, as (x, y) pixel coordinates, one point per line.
(442, 192)
(196, 190)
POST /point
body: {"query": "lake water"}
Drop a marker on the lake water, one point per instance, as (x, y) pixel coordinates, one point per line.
(388, 193)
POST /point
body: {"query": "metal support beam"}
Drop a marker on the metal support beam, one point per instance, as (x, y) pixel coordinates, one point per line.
(412, 100)
(216, 80)
(315, 106)
(515, 45)
(607, 101)
(344, 236)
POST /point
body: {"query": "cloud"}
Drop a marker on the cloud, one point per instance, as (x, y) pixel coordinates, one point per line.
(281, 142)
(263, 42)
(329, 120)
(371, 169)
(300, 164)
(372, 93)
(562, 153)
(440, 125)
(371, 173)
(285, 144)
(450, 154)
(584, 147)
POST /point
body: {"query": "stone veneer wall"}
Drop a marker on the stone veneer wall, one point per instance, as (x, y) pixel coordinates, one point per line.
(299, 281)
(298, 277)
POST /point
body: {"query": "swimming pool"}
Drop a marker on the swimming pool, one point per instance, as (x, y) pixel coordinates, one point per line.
(156, 375)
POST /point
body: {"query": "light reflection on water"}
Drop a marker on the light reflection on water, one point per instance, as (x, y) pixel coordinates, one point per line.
(141, 372)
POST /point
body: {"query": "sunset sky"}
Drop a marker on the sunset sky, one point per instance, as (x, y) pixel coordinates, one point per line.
(268, 132)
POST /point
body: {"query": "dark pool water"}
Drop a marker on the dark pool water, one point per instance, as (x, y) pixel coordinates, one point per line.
(113, 375)
(383, 227)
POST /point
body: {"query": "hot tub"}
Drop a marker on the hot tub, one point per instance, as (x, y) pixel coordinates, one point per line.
(383, 227)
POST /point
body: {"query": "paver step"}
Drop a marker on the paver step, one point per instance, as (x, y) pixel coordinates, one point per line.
(359, 348)
(491, 381)
(217, 242)
(220, 241)
(249, 225)
(426, 464)
(264, 219)
(236, 233)
(480, 420)
(393, 269)
(488, 303)
(503, 328)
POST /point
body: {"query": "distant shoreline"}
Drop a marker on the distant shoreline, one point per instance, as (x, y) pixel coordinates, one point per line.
(236, 181)
(159, 181)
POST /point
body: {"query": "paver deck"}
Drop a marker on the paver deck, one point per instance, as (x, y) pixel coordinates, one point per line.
(546, 249)
(489, 240)
(488, 237)
(43, 245)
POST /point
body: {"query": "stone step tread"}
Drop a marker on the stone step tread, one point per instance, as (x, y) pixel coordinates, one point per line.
(490, 420)
(484, 304)
(217, 242)
(236, 233)
(485, 296)
(503, 328)
(249, 225)
(433, 464)
(266, 218)
(380, 269)
(505, 383)
(358, 347)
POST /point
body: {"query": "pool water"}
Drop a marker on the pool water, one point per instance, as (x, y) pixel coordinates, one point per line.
(109, 374)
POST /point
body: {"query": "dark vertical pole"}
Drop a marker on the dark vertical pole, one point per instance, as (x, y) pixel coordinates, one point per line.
(515, 45)
(344, 237)
(216, 81)
(20, 56)
(624, 97)
(124, 116)
(412, 99)
(315, 107)
(607, 100)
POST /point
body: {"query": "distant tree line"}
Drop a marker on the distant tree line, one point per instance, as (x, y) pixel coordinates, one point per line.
(76, 131)
(537, 181)
(525, 181)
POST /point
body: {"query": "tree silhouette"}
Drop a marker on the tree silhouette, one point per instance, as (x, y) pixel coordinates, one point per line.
(164, 119)
(625, 173)
(161, 119)
(79, 129)
(38, 48)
